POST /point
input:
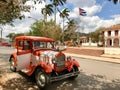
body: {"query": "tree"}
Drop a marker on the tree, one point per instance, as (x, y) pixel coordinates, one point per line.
(71, 23)
(57, 3)
(37, 29)
(70, 31)
(12, 36)
(11, 9)
(47, 11)
(95, 36)
(114, 1)
(63, 14)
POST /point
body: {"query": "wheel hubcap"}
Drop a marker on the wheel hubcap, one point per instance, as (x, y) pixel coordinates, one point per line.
(41, 79)
(12, 64)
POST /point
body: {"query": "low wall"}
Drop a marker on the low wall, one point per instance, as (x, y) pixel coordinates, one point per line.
(89, 44)
(112, 51)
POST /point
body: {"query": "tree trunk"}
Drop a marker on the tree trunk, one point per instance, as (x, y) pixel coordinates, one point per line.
(55, 13)
(63, 31)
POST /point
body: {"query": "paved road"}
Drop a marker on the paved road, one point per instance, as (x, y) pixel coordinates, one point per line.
(95, 75)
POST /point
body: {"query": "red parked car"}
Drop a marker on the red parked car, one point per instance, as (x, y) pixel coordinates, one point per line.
(6, 44)
(38, 56)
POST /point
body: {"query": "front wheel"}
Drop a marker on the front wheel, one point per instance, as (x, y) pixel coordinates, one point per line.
(12, 65)
(75, 69)
(41, 78)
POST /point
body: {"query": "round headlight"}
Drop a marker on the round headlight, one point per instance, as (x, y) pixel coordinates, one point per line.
(53, 60)
(69, 58)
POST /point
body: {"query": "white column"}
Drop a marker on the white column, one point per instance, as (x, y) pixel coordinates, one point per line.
(112, 41)
(84, 40)
(118, 32)
(105, 39)
(119, 41)
(112, 33)
(105, 34)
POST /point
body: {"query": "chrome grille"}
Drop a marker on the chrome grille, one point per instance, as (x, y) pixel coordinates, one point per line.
(60, 62)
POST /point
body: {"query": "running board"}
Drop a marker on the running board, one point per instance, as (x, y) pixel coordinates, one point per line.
(64, 76)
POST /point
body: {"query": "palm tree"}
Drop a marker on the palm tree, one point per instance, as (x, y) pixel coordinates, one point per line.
(63, 14)
(115, 1)
(56, 3)
(70, 32)
(47, 10)
(71, 23)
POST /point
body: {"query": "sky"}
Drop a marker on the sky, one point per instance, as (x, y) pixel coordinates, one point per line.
(100, 13)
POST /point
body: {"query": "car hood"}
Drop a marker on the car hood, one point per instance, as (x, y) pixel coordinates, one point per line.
(50, 54)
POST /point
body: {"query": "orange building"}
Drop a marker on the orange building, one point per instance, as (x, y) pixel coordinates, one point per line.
(83, 39)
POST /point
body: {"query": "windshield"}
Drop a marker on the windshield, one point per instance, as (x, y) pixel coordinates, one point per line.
(43, 45)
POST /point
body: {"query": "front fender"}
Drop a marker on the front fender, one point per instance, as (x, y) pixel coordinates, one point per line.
(14, 55)
(75, 63)
(71, 63)
(46, 67)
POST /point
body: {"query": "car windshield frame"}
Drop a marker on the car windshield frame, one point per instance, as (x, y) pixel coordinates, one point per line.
(37, 45)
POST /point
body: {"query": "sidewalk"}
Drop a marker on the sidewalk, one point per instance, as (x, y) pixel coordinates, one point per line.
(103, 57)
(97, 58)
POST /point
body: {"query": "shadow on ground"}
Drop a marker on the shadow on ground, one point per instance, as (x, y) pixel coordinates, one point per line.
(83, 82)
(5, 56)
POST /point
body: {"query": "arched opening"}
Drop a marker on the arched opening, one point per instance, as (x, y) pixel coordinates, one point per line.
(109, 42)
(116, 42)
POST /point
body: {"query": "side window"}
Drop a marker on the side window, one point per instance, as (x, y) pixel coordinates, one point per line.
(49, 45)
(20, 45)
(39, 45)
(26, 45)
(42, 44)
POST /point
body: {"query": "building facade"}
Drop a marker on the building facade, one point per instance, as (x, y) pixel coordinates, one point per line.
(112, 36)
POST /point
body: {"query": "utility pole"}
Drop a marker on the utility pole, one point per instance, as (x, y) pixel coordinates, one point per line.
(1, 36)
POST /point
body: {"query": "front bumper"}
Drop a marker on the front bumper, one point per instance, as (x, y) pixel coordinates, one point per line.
(71, 74)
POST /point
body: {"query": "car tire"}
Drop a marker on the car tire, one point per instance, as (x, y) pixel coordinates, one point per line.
(75, 69)
(41, 78)
(12, 65)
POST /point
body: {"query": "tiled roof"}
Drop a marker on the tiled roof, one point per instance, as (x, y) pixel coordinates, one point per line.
(83, 37)
(114, 27)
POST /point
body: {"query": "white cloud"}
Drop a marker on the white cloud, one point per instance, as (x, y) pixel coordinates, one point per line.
(91, 22)
(117, 20)
(75, 13)
(116, 16)
(93, 9)
(82, 3)
(87, 23)
(22, 26)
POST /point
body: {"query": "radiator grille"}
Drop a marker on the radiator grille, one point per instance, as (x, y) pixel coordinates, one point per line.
(60, 62)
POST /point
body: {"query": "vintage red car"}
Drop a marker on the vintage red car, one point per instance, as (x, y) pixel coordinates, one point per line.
(37, 56)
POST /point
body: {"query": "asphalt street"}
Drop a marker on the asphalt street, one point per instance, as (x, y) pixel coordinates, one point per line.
(94, 75)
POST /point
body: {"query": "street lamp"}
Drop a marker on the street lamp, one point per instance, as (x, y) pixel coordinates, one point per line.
(1, 35)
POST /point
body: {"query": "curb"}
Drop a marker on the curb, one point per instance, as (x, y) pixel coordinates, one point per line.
(103, 59)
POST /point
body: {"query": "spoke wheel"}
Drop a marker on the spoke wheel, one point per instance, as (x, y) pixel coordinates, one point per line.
(75, 69)
(12, 65)
(41, 79)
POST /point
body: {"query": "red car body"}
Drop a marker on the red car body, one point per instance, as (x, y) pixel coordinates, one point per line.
(38, 55)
